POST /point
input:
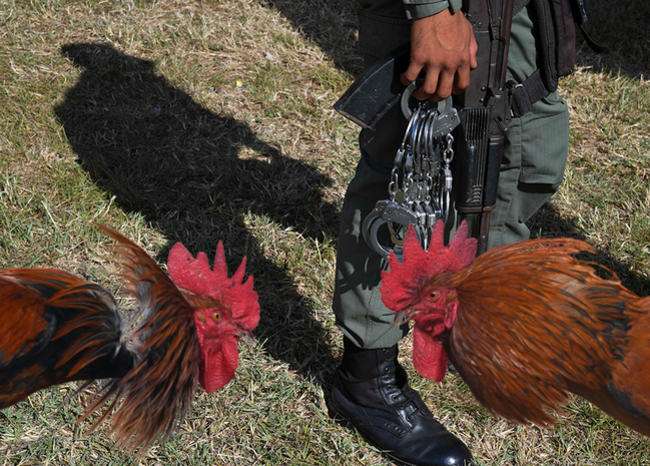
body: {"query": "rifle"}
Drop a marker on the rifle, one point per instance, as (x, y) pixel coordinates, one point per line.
(484, 114)
(484, 110)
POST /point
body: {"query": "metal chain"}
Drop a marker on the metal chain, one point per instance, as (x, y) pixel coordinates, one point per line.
(448, 157)
(419, 190)
(421, 178)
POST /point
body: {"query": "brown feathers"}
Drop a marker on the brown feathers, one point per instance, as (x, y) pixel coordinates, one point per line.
(158, 391)
(536, 321)
(19, 331)
(54, 328)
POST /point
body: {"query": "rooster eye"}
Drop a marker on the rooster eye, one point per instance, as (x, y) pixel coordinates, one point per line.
(216, 316)
(434, 294)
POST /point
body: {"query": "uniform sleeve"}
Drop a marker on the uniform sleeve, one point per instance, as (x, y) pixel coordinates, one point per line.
(416, 9)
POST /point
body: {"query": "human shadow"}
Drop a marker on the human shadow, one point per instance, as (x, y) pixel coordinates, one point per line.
(330, 24)
(178, 164)
(549, 222)
(623, 29)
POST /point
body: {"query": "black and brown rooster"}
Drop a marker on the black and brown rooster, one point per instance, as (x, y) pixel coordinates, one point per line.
(525, 325)
(56, 327)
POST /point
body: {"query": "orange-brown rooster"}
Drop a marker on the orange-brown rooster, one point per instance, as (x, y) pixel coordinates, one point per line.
(525, 325)
(56, 327)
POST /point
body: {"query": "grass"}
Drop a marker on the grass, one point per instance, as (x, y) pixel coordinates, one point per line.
(199, 121)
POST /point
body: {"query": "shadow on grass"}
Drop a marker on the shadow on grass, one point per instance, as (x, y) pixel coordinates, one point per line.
(622, 28)
(330, 24)
(550, 223)
(178, 164)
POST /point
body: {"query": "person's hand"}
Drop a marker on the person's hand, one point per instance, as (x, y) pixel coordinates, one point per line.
(444, 46)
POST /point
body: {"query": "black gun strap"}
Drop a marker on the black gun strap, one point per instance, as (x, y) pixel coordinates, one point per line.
(523, 95)
(556, 50)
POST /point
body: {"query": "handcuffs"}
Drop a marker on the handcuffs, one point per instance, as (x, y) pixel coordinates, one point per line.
(419, 191)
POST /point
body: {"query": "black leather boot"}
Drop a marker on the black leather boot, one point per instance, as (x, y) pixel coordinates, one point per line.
(371, 392)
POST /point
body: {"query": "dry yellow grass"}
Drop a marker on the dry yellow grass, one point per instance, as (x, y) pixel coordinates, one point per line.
(206, 120)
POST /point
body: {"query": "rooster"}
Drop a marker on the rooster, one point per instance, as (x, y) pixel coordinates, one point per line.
(525, 325)
(56, 327)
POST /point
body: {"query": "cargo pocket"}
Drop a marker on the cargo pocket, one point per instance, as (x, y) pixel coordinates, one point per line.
(382, 30)
(544, 142)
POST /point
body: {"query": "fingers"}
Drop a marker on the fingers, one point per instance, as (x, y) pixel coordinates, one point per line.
(439, 84)
(473, 51)
(461, 81)
(430, 84)
(412, 72)
(445, 85)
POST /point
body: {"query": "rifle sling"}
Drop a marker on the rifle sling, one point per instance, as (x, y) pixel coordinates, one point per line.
(556, 52)
(523, 95)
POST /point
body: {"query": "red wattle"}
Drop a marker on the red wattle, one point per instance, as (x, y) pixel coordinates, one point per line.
(219, 359)
(218, 364)
(429, 355)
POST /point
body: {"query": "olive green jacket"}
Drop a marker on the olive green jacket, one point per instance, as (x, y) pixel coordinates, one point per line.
(416, 9)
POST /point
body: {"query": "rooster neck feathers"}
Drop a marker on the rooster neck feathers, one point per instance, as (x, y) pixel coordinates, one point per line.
(568, 327)
(172, 349)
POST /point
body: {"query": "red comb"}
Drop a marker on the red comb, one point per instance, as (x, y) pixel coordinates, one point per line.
(195, 275)
(402, 282)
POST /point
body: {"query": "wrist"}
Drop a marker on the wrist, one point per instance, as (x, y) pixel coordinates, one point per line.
(417, 9)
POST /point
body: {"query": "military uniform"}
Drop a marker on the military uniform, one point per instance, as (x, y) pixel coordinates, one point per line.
(532, 170)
